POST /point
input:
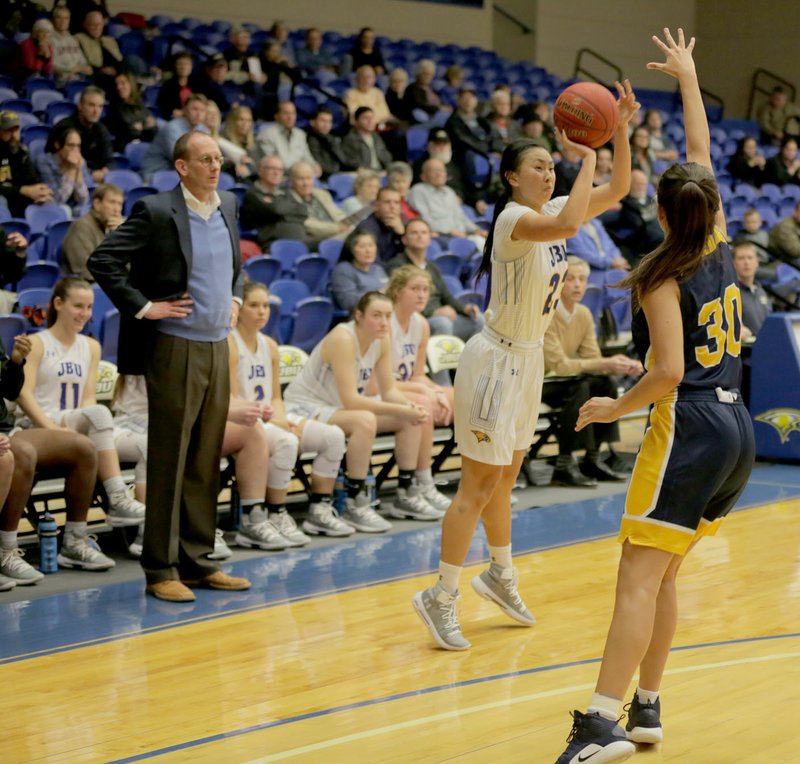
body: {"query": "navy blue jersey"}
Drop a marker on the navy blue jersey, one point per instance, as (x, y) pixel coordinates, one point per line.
(711, 309)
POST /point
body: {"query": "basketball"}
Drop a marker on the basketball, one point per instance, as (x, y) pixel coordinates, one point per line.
(587, 112)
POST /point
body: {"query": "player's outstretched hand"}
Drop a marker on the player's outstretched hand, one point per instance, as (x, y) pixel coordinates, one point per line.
(678, 55)
(597, 410)
(627, 105)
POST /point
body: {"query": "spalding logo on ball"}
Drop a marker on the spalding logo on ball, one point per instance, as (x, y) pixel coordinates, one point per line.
(587, 112)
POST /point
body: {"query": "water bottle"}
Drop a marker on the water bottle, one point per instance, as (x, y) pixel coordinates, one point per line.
(340, 493)
(48, 544)
(371, 489)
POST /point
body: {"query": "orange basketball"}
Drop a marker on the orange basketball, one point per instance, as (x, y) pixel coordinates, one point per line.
(587, 112)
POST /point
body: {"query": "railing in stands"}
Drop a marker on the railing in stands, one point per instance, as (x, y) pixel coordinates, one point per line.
(763, 83)
(513, 19)
(582, 68)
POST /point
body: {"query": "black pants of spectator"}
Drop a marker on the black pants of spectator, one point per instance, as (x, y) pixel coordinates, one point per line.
(570, 397)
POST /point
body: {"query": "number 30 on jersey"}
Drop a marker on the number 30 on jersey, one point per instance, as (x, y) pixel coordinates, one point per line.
(722, 319)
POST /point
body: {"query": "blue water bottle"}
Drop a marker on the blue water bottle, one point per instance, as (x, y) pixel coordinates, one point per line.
(48, 544)
(371, 489)
(340, 493)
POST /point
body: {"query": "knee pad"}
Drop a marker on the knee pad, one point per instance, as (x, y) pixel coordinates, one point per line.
(330, 447)
(96, 423)
(282, 457)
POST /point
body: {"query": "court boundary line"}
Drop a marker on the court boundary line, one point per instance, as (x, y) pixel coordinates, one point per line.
(324, 593)
(217, 737)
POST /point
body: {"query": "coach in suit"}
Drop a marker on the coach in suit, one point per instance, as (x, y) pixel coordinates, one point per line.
(172, 269)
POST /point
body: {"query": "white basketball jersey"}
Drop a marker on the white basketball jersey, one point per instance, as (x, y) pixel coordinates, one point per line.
(254, 373)
(62, 374)
(405, 346)
(130, 405)
(527, 277)
(315, 383)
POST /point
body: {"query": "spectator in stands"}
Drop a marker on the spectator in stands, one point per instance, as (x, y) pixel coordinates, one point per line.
(570, 349)
(44, 449)
(395, 95)
(325, 147)
(86, 233)
(399, 178)
(80, 8)
(13, 264)
(603, 166)
(20, 183)
(440, 207)
(210, 80)
(363, 146)
(96, 143)
(365, 94)
(784, 167)
(285, 139)
(357, 271)
(175, 87)
(752, 231)
(454, 79)
(784, 238)
(778, 118)
(637, 227)
(420, 94)
(439, 147)
(331, 388)
(747, 162)
(275, 70)
(238, 142)
(642, 155)
(59, 393)
(324, 219)
(159, 155)
(127, 118)
(311, 58)
(365, 191)
(500, 116)
(534, 128)
(594, 246)
(36, 51)
(273, 213)
(445, 313)
(254, 363)
(244, 68)
(63, 168)
(279, 33)
(101, 51)
(69, 63)
(756, 305)
(662, 146)
(364, 53)
(386, 224)
(469, 132)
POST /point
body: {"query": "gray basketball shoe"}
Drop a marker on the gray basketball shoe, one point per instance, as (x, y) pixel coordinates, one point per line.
(438, 610)
(499, 585)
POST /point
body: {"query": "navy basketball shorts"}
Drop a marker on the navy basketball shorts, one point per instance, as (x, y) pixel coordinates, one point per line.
(693, 464)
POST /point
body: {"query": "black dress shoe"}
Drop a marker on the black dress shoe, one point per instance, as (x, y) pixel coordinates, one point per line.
(571, 476)
(601, 471)
(618, 463)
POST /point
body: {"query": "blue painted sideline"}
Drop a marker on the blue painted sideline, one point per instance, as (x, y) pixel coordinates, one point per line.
(415, 693)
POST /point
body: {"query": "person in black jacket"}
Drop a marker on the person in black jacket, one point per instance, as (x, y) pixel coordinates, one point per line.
(127, 118)
(747, 162)
(20, 183)
(470, 132)
(325, 147)
(362, 146)
(12, 266)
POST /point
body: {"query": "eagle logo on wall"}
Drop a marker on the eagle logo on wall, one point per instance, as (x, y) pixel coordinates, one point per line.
(785, 421)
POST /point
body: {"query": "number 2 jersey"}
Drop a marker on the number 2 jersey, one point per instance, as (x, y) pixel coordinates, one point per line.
(527, 276)
(62, 376)
(711, 311)
(254, 372)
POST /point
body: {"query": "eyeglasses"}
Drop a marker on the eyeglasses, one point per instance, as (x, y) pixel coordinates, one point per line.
(72, 145)
(207, 160)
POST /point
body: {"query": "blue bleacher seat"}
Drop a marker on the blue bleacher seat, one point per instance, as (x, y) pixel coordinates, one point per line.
(263, 269)
(448, 263)
(58, 110)
(34, 132)
(452, 283)
(54, 237)
(109, 335)
(125, 179)
(771, 191)
(17, 104)
(593, 299)
(133, 195)
(41, 274)
(464, 248)
(239, 190)
(74, 88)
(786, 272)
(39, 216)
(313, 271)
(311, 322)
(35, 84)
(417, 140)
(7, 94)
(164, 180)
(41, 99)
(290, 292)
(331, 250)
(226, 181)
(11, 325)
(33, 298)
(287, 251)
(133, 44)
(102, 304)
(340, 185)
(135, 152)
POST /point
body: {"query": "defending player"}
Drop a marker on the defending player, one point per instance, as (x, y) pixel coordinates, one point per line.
(498, 384)
(698, 449)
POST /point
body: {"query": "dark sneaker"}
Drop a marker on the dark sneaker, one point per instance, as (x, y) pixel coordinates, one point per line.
(596, 740)
(600, 471)
(619, 463)
(644, 721)
(572, 477)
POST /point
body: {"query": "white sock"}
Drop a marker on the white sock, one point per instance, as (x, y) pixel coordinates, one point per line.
(8, 539)
(424, 477)
(449, 575)
(501, 555)
(115, 485)
(78, 528)
(608, 708)
(646, 696)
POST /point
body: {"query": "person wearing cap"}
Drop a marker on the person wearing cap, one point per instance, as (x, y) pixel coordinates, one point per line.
(285, 139)
(209, 81)
(470, 133)
(36, 52)
(420, 94)
(362, 146)
(20, 183)
(96, 142)
(159, 155)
